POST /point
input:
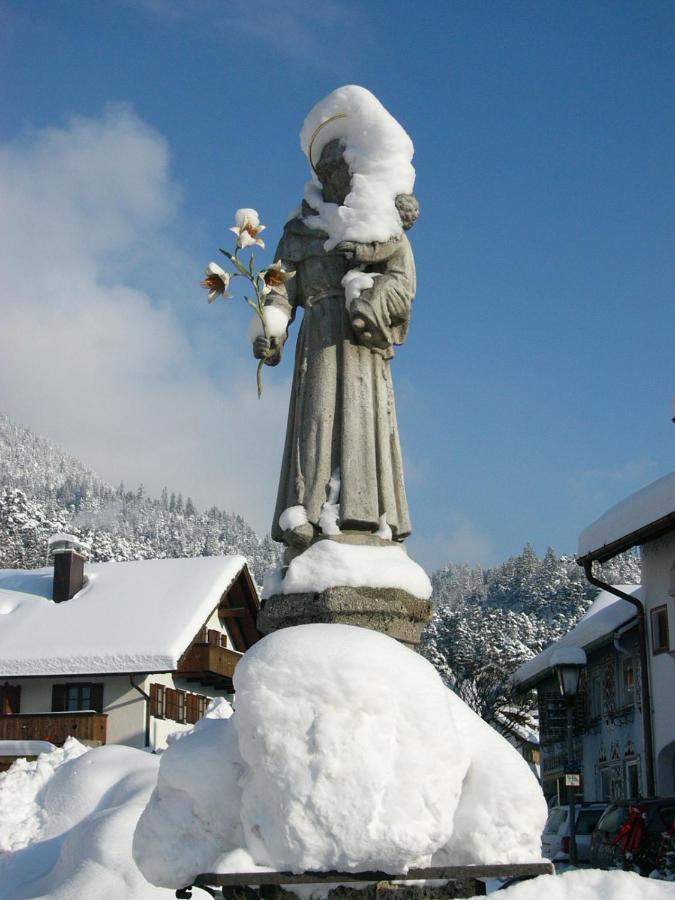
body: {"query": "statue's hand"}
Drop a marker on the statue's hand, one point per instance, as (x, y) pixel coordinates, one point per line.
(347, 248)
(267, 349)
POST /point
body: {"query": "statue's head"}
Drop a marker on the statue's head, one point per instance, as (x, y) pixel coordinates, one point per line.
(408, 209)
(333, 173)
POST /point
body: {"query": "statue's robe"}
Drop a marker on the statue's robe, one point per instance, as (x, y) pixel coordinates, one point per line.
(342, 414)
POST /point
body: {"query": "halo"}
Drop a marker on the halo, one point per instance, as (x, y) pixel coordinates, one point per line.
(315, 133)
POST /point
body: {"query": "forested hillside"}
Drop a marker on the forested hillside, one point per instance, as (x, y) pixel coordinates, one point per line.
(489, 621)
(43, 490)
(486, 621)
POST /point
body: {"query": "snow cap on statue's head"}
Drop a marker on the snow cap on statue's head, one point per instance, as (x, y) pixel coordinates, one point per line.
(378, 152)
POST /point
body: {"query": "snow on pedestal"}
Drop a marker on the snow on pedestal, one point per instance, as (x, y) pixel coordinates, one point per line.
(350, 754)
(329, 564)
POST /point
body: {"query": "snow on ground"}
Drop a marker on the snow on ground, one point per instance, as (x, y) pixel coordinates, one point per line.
(590, 884)
(21, 816)
(75, 816)
(346, 751)
(379, 154)
(330, 563)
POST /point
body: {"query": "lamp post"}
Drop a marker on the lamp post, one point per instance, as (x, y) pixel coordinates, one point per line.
(567, 662)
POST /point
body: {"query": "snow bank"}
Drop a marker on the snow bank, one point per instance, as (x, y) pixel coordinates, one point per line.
(276, 323)
(379, 154)
(347, 752)
(21, 817)
(78, 812)
(502, 811)
(331, 564)
(647, 505)
(192, 817)
(590, 884)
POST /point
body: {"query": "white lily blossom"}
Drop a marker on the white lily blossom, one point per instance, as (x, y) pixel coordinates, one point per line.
(247, 227)
(217, 282)
(274, 276)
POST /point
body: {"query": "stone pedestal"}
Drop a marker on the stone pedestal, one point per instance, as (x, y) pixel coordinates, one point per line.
(392, 611)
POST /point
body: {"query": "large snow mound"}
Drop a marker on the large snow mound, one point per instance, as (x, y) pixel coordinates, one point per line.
(71, 822)
(345, 752)
(590, 884)
(379, 154)
(330, 563)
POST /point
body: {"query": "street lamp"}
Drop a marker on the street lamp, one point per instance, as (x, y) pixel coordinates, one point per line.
(567, 663)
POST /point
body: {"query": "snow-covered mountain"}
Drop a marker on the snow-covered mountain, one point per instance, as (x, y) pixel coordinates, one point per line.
(44, 490)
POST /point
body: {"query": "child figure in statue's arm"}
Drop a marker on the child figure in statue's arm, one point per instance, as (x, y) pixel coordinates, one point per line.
(379, 315)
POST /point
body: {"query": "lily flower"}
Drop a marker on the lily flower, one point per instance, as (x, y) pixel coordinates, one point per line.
(216, 282)
(274, 276)
(247, 227)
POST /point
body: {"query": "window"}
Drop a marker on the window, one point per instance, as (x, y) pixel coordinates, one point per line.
(627, 685)
(632, 780)
(595, 696)
(78, 696)
(157, 700)
(10, 699)
(660, 641)
(181, 706)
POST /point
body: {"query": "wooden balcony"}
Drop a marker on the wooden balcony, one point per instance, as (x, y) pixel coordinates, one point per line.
(86, 726)
(209, 664)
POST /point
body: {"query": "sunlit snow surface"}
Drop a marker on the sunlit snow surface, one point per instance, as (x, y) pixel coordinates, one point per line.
(345, 752)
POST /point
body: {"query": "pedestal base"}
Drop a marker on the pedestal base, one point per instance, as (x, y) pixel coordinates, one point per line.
(392, 611)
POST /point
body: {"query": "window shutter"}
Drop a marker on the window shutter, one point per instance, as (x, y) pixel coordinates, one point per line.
(171, 704)
(58, 698)
(97, 696)
(192, 708)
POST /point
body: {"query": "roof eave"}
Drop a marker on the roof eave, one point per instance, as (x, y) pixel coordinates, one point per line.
(534, 680)
(640, 536)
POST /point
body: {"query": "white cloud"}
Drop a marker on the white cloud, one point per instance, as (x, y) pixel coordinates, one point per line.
(463, 544)
(93, 357)
(322, 35)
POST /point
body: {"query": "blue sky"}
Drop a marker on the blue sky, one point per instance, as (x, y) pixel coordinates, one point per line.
(535, 387)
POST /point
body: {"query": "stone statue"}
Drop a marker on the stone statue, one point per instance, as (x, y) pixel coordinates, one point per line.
(342, 471)
(344, 258)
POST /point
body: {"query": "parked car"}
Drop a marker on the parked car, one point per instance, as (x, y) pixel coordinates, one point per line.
(555, 839)
(609, 851)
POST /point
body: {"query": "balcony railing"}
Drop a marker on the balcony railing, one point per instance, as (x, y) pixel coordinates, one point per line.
(55, 727)
(209, 664)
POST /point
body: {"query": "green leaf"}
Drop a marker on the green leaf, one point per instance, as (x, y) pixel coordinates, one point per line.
(226, 252)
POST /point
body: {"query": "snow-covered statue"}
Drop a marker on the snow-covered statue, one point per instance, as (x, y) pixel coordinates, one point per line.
(345, 260)
(355, 282)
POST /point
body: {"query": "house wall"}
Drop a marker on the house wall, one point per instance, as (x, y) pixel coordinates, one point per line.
(612, 740)
(658, 578)
(609, 739)
(124, 706)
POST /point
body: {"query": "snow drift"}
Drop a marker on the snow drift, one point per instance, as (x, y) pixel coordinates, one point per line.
(346, 752)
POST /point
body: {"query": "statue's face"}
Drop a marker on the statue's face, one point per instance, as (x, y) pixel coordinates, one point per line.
(333, 173)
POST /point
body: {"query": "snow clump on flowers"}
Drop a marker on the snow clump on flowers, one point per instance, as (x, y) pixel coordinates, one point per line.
(379, 154)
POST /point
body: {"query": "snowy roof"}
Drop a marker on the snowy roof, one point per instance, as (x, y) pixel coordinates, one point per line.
(625, 524)
(605, 616)
(129, 617)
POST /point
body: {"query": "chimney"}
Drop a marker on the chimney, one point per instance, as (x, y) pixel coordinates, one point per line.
(69, 556)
